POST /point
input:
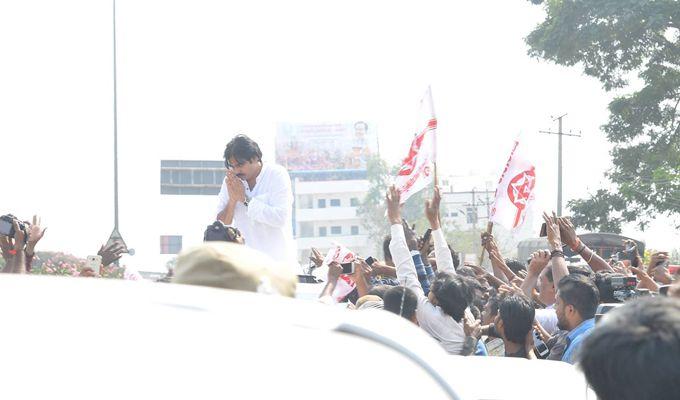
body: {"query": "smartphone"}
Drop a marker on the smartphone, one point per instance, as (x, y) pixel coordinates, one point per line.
(544, 230)
(95, 263)
(370, 261)
(541, 348)
(427, 235)
(348, 268)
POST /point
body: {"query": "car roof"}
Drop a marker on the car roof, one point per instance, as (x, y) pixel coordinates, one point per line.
(81, 337)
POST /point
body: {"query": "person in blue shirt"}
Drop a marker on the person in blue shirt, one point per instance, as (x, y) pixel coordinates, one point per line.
(576, 302)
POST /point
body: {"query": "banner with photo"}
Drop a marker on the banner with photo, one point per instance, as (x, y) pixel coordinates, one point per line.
(326, 146)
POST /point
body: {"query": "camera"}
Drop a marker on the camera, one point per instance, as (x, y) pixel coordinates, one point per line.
(218, 232)
(7, 226)
(617, 288)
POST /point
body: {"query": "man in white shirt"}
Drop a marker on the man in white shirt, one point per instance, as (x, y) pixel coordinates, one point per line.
(441, 312)
(257, 199)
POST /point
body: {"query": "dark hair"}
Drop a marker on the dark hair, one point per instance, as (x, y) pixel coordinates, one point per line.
(466, 271)
(402, 301)
(517, 315)
(574, 269)
(471, 285)
(449, 291)
(356, 124)
(581, 293)
(386, 248)
(634, 352)
(242, 149)
(493, 303)
(515, 265)
(379, 290)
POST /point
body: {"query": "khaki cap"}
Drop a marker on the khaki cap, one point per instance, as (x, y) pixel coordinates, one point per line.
(233, 266)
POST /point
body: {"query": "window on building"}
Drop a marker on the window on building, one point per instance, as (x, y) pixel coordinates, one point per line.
(305, 201)
(336, 230)
(171, 244)
(322, 231)
(354, 202)
(321, 203)
(471, 215)
(306, 229)
(355, 230)
(335, 202)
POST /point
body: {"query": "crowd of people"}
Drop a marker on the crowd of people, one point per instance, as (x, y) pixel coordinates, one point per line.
(618, 320)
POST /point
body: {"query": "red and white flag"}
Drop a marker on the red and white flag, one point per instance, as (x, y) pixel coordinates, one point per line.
(417, 170)
(341, 254)
(515, 190)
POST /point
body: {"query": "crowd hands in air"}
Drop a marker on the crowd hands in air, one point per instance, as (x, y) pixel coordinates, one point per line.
(19, 252)
(544, 310)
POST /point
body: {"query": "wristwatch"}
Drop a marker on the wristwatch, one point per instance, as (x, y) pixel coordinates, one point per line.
(246, 201)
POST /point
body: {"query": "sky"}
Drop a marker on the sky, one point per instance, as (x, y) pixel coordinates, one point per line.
(191, 74)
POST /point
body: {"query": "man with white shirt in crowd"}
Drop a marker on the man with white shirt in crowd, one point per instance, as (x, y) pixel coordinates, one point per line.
(257, 198)
(441, 312)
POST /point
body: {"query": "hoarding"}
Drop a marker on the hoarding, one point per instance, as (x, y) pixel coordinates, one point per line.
(326, 146)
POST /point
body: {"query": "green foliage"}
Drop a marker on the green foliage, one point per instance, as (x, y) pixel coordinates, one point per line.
(614, 40)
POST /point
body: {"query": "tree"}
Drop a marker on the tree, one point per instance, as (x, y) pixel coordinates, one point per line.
(615, 40)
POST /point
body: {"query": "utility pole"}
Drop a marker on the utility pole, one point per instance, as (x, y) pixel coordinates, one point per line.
(559, 134)
(115, 235)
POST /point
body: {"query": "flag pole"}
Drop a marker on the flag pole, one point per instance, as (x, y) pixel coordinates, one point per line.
(434, 137)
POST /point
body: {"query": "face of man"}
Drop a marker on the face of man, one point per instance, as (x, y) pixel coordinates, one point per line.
(546, 288)
(487, 318)
(561, 311)
(500, 327)
(360, 130)
(245, 171)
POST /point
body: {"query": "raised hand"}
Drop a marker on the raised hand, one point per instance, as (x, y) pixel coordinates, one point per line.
(539, 260)
(410, 235)
(568, 233)
(111, 253)
(472, 327)
(334, 271)
(553, 230)
(489, 243)
(235, 187)
(316, 257)
(35, 233)
(432, 209)
(393, 208)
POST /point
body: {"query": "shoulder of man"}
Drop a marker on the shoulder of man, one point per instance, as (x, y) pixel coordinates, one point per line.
(277, 170)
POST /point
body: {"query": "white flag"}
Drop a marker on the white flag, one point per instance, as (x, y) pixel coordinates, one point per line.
(417, 169)
(515, 190)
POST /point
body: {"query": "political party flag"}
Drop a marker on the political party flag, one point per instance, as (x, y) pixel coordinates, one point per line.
(417, 169)
(341, 254)
(515, 190)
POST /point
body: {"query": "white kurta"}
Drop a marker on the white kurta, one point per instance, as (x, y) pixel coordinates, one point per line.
(431, 318)
(266, 223)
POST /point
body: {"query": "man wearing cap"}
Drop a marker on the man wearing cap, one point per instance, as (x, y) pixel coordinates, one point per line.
(257, 199)
(233, 266)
